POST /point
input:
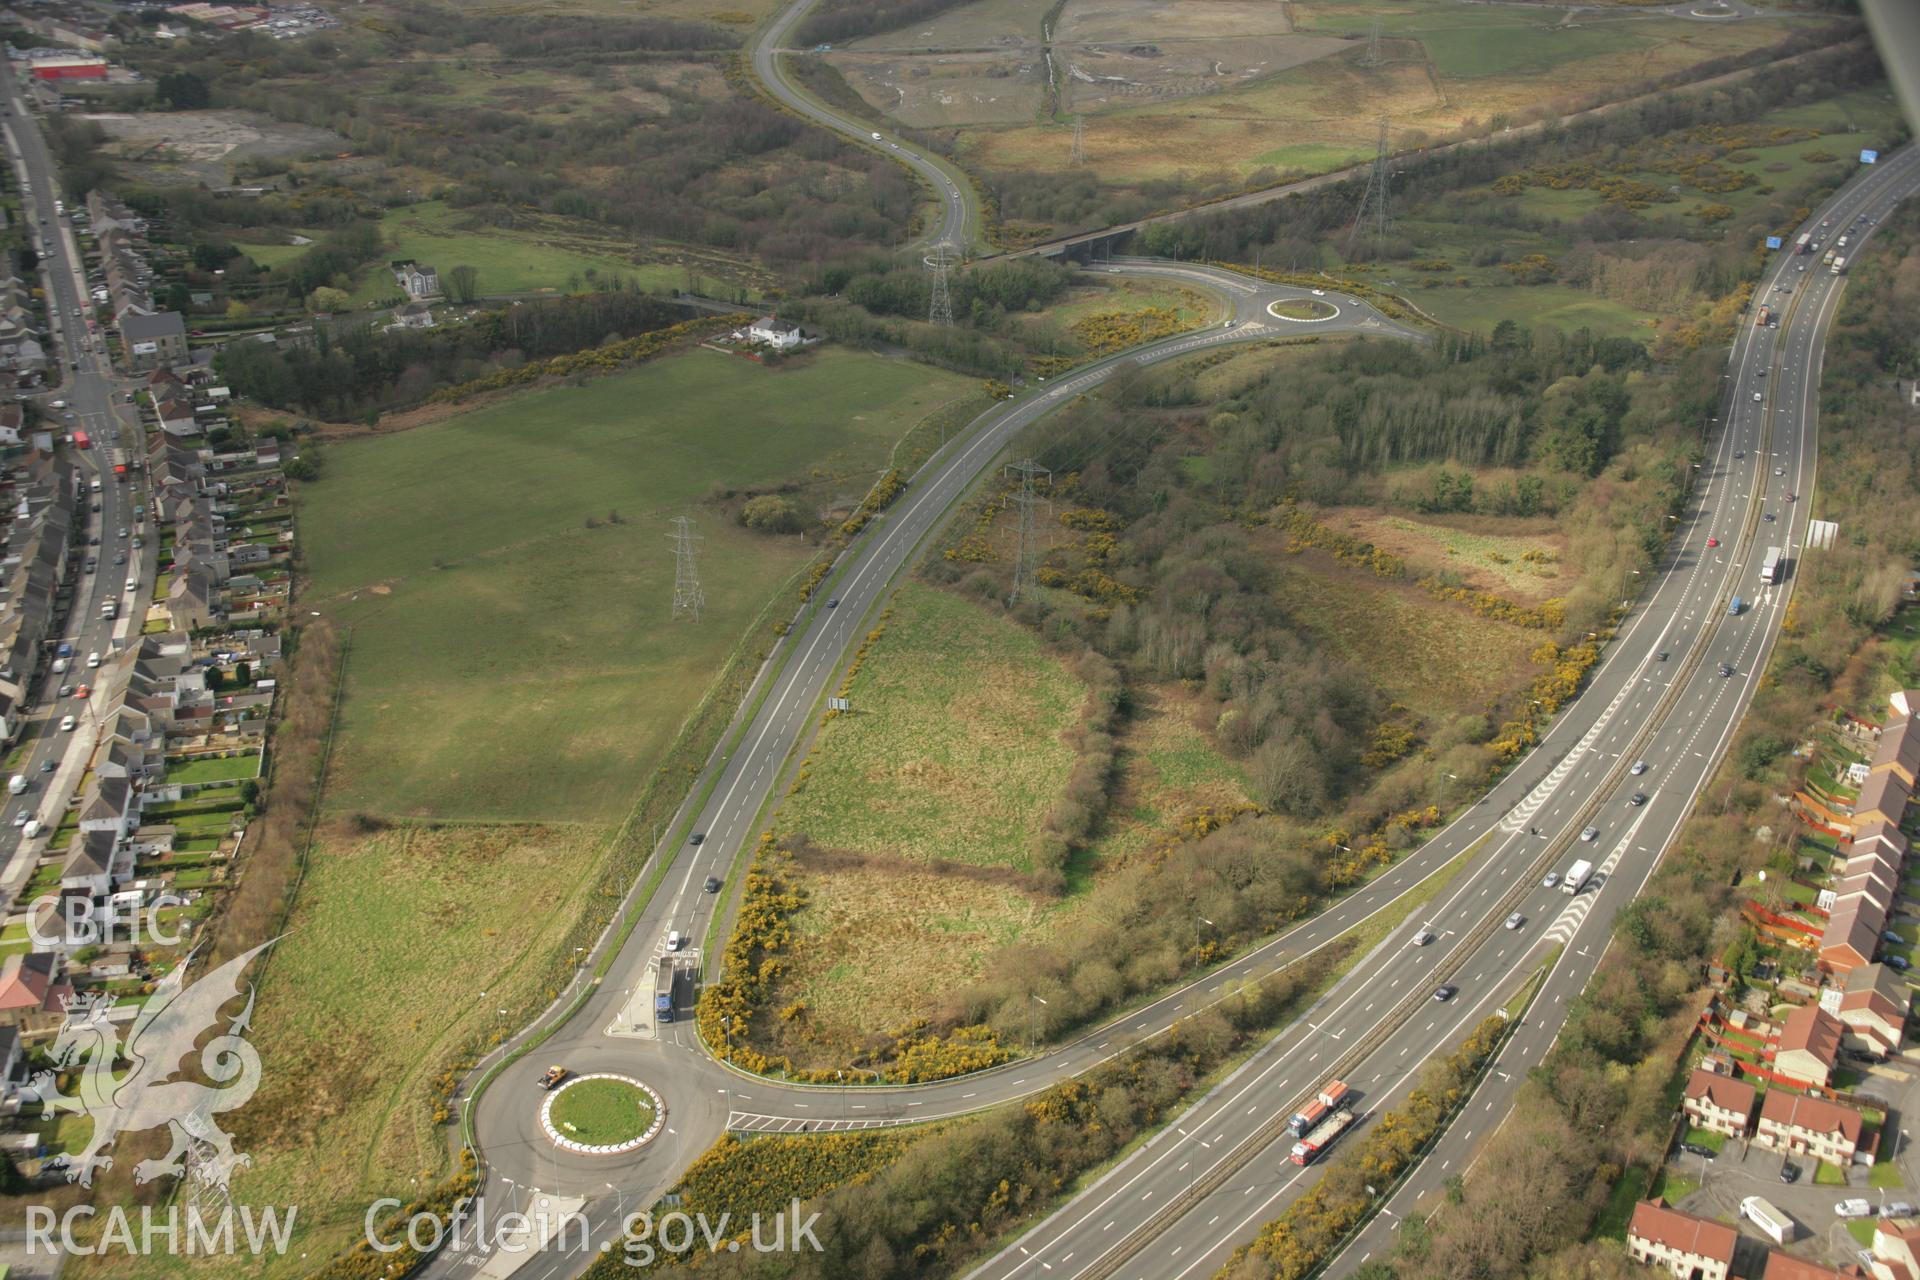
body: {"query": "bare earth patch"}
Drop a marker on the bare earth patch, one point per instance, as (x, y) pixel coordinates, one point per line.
(1517, 558)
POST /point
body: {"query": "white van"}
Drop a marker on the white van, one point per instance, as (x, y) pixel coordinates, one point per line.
(95, 486)
(17, 784)
(32, 829)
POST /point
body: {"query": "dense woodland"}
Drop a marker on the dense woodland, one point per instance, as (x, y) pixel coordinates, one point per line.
(837, 21)
(366, 369)
(722, 170)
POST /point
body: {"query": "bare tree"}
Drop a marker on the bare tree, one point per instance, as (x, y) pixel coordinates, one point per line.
(463, 283)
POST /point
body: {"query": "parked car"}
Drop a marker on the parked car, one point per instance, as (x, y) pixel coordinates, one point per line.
(1695, 1149)
(1789, 1171)
(1896, 1209)
(1854, 1208)
(1899, 963)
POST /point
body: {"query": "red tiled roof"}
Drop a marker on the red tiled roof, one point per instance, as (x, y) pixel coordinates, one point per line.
(1815, 1115)
(1724, 1092)
(1784, 1266)
(1813, 1029)
(1654, 1222)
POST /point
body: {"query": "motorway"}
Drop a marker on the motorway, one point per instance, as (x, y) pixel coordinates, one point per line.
(89, 391)
(1790, 361)
(1177, 1208)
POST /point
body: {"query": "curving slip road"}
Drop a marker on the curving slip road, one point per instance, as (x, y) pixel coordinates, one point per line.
(613, 1029)
(959, 223)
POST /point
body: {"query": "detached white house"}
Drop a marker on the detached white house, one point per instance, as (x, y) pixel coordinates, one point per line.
(771, 331)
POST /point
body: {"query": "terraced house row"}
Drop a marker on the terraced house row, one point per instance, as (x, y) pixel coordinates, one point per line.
(38, 493)
(1863, 900)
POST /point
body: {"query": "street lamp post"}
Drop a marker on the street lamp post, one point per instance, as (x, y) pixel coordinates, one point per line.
(1033, 1023)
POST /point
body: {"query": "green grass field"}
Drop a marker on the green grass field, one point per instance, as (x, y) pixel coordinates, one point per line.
(957, 754)
(1481, 307)
(228, 770)
(509, 663)
(402, 946)
(602, 1112)
(953, 750)
(509, 260)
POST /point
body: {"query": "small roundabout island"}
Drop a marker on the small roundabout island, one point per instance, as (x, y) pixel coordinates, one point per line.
(602, 1114)
(1302, 309)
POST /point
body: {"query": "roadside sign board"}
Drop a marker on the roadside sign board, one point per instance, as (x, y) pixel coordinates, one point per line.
(1869, 157)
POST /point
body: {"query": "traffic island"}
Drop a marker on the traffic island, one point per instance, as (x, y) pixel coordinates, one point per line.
(1302, 310)
(602, 1115)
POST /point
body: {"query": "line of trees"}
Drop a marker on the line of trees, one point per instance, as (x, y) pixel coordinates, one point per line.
(839, 20)
(368, 370)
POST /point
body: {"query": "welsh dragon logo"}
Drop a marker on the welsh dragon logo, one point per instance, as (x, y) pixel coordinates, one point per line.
(147, 1096)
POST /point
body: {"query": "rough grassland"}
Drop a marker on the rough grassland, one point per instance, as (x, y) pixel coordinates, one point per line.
(379, 978)
(1123, 304)
(509, 260)
(954, 749)
(1446, 66)
(509, 663)
(882, 941)
(1487, 552)
(1440, 660)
